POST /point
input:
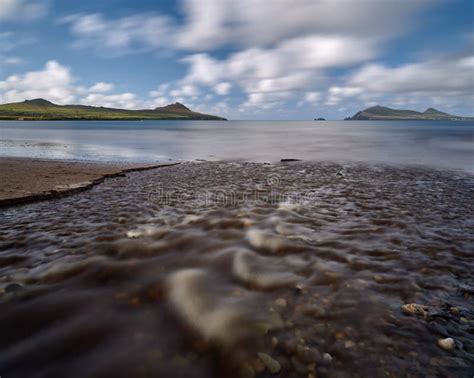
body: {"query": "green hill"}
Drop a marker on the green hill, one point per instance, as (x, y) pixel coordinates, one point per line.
(383, 113)
(40, 109)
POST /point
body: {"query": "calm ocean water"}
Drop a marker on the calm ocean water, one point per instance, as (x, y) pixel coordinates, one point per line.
(446, 145)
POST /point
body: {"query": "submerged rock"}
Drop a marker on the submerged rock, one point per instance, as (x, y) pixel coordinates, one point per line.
(446, 344)
(262, 272)
(280, 302)
(263, 240)
(271, 364)
(216, 318)
(415, 309)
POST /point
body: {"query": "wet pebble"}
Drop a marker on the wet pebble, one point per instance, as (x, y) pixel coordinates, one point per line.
(270, 363)
(415, 309)
(281, 302)
(446, 344)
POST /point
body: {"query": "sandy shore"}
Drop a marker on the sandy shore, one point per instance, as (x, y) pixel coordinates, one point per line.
(26, 180)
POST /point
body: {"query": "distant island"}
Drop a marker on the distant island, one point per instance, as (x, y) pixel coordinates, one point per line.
(380, 113)
(41, 109)
(320, 119)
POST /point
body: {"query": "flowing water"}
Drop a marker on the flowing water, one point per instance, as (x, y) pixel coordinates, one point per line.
(234, 269)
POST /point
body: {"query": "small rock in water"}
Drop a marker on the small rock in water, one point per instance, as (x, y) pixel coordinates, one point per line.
(274, 341)
(281, 302)
(446, 344)
(340, 173)
(327, 357)
(261, 272)
(271, 364)
(454, 310)
(289, 160)
(415, 309)
(133, 234)
(212, 316)
(290, 206)
(264, 240)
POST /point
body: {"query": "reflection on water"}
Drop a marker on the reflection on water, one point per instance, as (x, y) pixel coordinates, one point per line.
(438, 144)
(243, 270)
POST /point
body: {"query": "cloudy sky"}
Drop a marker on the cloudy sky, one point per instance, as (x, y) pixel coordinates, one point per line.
(245, 59)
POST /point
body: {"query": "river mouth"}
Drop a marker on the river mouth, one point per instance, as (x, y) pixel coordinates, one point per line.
(229, 269)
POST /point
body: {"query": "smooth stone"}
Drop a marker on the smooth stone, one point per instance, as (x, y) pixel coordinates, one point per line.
(454, 310)
(271, 364)
(415, 309)
(327, 357)
(281, 302)
(446, 344)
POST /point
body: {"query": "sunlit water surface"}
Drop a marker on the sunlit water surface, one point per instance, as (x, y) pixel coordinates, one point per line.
(436, 144)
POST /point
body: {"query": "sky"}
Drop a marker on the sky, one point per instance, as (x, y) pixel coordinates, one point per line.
(245, 59)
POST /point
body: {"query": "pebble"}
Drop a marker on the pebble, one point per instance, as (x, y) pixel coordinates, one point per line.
(454, 310)
(327, 357)
(263, 240)
(281, 302)
(446, 344)
(271, 364)
(274, 341)
(415, 309)
(349, 344)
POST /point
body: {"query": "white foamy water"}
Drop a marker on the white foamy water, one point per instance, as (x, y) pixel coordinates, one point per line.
(447, 145)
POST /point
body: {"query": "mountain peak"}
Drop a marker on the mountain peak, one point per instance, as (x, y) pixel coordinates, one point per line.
(177, 106)
(39, 101)
(431, 110)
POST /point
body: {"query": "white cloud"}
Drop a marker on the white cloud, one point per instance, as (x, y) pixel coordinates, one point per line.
(122, 100)
(311, 98)
(23, 10)
(222, 89)
(136, 32)
(12, 61)
(185, 90)
(101, 87)
(444, 82)
(210, 24)
(56, 84)
(273, 73)
(213, 23)
(456, 75)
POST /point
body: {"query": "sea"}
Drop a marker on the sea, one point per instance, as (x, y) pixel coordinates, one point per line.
(437, 144)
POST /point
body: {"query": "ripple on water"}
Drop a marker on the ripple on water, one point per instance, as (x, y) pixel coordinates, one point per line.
(218, 269)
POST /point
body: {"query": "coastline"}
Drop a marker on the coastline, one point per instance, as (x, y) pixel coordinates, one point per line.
(26, 180)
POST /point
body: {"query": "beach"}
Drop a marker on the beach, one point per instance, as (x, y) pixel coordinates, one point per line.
(239, 269)
(28, 180)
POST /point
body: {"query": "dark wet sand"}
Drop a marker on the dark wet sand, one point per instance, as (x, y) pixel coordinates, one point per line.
(27, 180)
(243, 270)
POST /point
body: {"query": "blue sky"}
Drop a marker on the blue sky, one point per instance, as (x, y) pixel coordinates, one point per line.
(247, 59)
